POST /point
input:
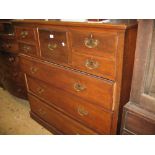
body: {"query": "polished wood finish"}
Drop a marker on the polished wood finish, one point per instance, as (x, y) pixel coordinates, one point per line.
(54, 45)
(83, 111)
(94, 65)
(57, 119)
(96, 90)
(139, 113)
(106, 43)
(79, 72)
(27, 49)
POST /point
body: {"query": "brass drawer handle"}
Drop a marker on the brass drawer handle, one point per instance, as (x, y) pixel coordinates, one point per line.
(11, 59)
(91, 64)
(91, 42)
(33, 70)
(26, 48)
(79, 87)
(8, 45)
(24, 34)
(40, 90)
(82, 111)
(42, 112)
(51, 47)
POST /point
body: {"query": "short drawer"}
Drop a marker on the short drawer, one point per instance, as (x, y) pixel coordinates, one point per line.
(27, 49)
(58, 120)
(94, 89)
(54, 45)
(94, 65)
(95, 43)
(89, 114)
(25, 34)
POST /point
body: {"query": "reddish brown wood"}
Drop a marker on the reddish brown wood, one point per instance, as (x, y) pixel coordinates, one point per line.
(94, 65)
(102, 91)
(96, 90)
(25, 34)
(27, 49)
(54, 45)
(107, 43)
(11, 77)
(57, 119)
(72, 105)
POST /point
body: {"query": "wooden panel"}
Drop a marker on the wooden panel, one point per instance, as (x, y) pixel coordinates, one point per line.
(138, 124)
(92, 116)
(94, 65)
(93, 89)
(54, 45)
(55, 118)
(103, 44)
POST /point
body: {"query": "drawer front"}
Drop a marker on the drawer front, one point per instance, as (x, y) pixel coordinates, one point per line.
(90, 115)
(9, 45)
(55, 118)
(25, 34)
(27, 49)
(94, 65)
(90, 88)
(95, 43)
(54, 45)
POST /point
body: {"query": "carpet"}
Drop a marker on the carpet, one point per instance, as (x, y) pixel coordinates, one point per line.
(15, 118)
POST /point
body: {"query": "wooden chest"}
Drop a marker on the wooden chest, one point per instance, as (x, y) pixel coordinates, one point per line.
(78, 75)
(11, 77)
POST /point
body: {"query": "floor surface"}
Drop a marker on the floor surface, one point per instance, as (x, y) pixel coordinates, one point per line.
(15, 118)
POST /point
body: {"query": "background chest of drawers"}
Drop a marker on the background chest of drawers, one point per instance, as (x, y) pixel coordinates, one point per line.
(78, 75)
(11, 77)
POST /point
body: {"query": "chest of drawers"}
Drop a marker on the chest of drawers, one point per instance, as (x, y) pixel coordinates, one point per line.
(78, 75)
(11, 77)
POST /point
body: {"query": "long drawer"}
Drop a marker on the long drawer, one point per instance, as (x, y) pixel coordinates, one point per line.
(91, 115)
(95, 90)
(55, 118)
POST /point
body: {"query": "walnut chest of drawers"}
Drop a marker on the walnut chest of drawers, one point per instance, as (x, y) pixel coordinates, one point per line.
(78, 75)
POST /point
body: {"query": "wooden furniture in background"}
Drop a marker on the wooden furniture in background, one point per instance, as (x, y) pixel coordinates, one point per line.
(78, 74)
(11, 77)
(139, 112)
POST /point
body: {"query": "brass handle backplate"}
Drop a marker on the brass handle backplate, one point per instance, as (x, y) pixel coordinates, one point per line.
(81, 111)
(40, 90)
(42, 112)
(79, 87)
(24, 34)
(51, 47)
(8, 45)
(33, 70)
(11, 59)
(90, 42)
(91, 64)
(26, 48)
